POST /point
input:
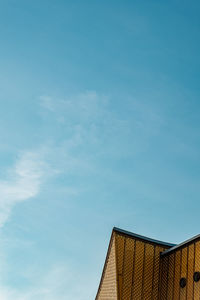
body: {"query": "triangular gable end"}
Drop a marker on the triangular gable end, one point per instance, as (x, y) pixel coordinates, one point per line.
(108, 285)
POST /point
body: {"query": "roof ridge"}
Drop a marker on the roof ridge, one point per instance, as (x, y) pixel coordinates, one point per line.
(181, 245)
(141, 237)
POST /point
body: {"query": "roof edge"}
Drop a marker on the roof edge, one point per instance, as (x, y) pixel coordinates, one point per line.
(181, 245)
(143, 238)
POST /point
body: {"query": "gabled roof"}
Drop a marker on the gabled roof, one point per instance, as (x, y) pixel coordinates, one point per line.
(132, 262)
(133, 236)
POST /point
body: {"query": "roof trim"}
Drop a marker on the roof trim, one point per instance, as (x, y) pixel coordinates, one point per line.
(181, 245)
(142, 238)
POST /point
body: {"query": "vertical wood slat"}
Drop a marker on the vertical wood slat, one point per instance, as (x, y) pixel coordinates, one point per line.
(156, 283)
(177, 275)
(164, 278)
(184, 262)
(148, 272)
(171, 270)
(190, 280)
(197, 269)
(128, 268)
(138, 270)
(120, 241)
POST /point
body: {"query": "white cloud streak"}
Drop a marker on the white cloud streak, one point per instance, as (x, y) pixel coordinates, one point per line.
(23, 183)
(82, 128)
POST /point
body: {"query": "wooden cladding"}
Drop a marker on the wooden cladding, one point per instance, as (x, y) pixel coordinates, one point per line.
(138, 268)
(108, 286)
(181, 264)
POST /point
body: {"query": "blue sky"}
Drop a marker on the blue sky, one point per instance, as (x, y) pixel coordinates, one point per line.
(99, 127)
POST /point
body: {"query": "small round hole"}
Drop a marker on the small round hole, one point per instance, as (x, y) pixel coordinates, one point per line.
(183, 282)
(196, 276)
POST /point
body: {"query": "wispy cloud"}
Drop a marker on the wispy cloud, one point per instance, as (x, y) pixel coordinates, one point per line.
(22, 183)
(78, 131)
(90, 115)
(85, 109)
(87, 126)
(88, 103)
(84, 119)
(47, 103)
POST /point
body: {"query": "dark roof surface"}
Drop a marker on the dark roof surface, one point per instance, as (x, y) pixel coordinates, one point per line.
(143, 238)
(181, 245)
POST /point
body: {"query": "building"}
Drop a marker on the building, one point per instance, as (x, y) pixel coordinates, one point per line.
(140, 268)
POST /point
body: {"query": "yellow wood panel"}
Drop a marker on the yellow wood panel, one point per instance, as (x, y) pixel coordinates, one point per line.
(120, 245)
(156, 267)
(197, 269)
(138, 271)
(134, 270)
(171, 270)
(148, 272)
(108, 289)
(190, 281)
(164, 278)
(184, 260)
(134, 266)
(128, 269)
(177, 275)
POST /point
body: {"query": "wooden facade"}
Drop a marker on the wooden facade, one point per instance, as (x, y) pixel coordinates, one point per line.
(139, 268)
